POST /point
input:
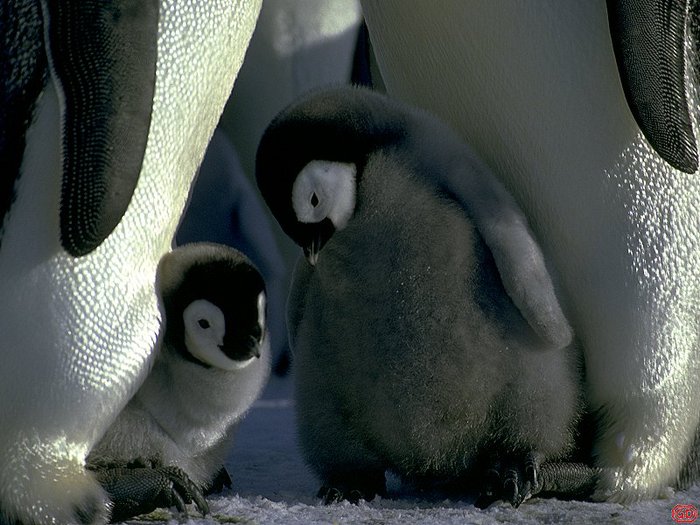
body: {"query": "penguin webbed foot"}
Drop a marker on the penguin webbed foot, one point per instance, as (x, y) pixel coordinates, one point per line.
(512, 480)
(516, 481)
(141, 487)
(353, 488)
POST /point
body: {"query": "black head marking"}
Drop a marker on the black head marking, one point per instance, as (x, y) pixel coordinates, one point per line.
(339, 125)
(220, 275)
(103, 59)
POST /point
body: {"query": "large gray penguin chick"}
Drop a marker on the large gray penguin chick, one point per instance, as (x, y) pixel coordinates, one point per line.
(585, 111)
(426, 334)
(212, 363)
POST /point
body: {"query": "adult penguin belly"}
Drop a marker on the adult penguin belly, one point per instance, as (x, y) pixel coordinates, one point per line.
(536, 91)
(89, 208)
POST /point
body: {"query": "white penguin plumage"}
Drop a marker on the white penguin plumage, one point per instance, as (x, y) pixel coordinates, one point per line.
(537, 91)
(79, 315)
(211, 364)
(424, 326)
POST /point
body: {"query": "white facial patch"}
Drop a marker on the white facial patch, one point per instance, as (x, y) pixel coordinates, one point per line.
(325, 189)
(205, 327)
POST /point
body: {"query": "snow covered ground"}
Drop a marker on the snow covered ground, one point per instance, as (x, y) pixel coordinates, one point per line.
(273, 486)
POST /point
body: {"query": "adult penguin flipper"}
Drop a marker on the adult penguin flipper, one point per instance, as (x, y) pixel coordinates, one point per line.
(649, 41)
(517, 254)
(102, 55)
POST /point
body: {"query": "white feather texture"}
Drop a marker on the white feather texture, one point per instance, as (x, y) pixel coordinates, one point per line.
(325, 190)
(535, 90)
(77, 334)
(185, 414)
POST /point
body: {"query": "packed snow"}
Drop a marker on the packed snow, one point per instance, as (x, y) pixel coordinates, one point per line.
(273, 486)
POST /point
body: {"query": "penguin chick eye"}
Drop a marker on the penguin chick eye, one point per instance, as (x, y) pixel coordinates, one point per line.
(203, 323)
(325, 189)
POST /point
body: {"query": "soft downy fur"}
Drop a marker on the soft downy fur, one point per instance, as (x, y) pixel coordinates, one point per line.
(409, 353)
(186, 412)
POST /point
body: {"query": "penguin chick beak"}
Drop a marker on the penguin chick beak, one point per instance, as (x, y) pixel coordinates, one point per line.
(242, 349)
(312, 250)
(254, 346)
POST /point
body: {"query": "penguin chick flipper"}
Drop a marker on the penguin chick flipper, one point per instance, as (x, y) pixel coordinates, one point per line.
(136, 491)
(649, 37)
(517, 254)
(102, 55)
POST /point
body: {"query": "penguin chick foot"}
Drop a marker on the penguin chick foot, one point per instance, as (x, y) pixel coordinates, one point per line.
(568, 480)
(513, 481)
(517, 483)
(140, 490)
(353, 489)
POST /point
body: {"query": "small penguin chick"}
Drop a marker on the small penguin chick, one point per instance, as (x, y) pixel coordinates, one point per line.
(212, 363)
(427, 336)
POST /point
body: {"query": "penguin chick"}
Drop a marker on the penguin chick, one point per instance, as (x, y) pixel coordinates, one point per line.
(212, 364)
(423, 320)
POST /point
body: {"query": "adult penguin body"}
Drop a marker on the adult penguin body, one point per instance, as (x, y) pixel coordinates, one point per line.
(106, 111)
(586, 144)
(426, 333)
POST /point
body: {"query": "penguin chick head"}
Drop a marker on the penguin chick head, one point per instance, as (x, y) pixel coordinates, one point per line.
(323, 199)
(213, 301)
(311, 158)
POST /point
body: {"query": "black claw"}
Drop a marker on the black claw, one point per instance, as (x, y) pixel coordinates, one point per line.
(531, 468)
(492, 482)
(139, 490)
(513, 480)
(510, 487)
(353, 486)
(330, 495)
(177, 500)
(221, 481)
(335, 495)
(354, 496)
